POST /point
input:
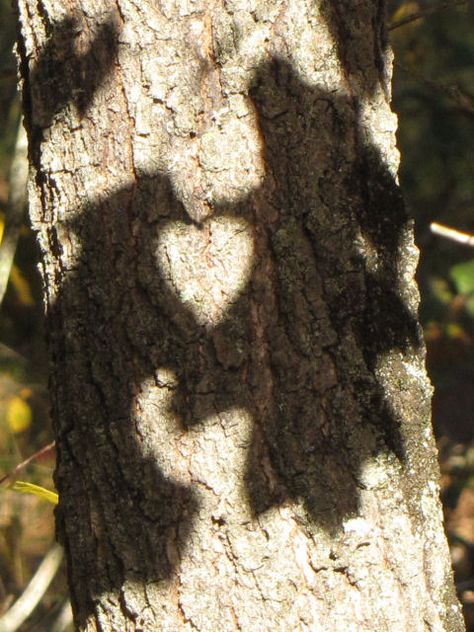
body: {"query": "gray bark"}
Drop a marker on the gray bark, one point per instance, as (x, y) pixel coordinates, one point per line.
(239, 394)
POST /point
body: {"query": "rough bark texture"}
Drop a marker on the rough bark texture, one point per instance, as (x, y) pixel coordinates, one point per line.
(240, 400)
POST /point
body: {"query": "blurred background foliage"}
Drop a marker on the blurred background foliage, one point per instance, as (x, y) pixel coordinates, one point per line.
(433, 94)
(26, 521)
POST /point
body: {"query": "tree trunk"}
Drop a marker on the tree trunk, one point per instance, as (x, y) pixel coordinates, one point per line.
(238, 385)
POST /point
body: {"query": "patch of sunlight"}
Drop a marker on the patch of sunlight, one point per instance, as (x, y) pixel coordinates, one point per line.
(208, 267)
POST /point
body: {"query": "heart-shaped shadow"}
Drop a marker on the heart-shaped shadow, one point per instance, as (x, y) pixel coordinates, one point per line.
(206, 266)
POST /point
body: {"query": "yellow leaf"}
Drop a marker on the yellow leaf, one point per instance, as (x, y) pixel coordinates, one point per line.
(404, 10)
(2, 226)
(22, 287)
(454, 330)
(18, 415)
(36, 490)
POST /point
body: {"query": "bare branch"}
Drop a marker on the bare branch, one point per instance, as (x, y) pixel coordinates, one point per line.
(451, 233)
(463, 101)
(419, 15)
(41, 452)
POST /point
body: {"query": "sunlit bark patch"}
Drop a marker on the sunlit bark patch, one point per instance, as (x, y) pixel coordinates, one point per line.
(206, 267)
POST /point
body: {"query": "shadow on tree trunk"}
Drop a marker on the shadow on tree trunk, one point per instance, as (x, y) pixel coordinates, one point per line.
(298, 347)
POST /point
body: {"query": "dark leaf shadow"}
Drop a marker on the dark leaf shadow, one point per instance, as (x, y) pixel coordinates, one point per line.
(70, 68)
(308, 380)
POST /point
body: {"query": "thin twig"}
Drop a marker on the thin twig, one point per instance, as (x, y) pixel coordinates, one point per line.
(41, 452)
(64, 618)
(419, 15)
(454, 93)
(451, 233)
(15, 208)
(34, 592)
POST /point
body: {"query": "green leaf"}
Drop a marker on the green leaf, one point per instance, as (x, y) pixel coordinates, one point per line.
(469, 305)
(440, 290)
(462, 275)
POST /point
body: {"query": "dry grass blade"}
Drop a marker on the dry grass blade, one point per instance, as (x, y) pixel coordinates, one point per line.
(34, 592)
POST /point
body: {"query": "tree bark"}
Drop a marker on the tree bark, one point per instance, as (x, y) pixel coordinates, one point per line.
(238, 385)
